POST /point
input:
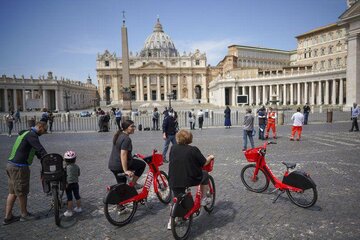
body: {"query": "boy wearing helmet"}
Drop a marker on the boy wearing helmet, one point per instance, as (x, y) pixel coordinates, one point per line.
(72, 183)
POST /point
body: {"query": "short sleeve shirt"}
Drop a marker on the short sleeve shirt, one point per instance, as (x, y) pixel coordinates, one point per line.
(122, 143)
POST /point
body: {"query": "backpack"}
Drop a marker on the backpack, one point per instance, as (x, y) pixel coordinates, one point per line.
(190, 115)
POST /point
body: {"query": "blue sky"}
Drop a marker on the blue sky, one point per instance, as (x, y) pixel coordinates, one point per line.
(64, 36)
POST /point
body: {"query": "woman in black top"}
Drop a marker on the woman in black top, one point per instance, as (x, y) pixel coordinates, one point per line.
(121, 160)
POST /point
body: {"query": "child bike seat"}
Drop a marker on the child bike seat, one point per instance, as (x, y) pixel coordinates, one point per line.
(289, 165)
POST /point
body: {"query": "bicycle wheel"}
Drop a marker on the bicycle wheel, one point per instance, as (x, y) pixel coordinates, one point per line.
(120, 215)
(180, 227)
(259, 184)
(305, 199)
(56, 202)
(164, 193)
(210, 206)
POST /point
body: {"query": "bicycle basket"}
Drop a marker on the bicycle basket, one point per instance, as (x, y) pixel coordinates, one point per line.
(252, 155)
(52, 167)
(157, 159)
(209, 167)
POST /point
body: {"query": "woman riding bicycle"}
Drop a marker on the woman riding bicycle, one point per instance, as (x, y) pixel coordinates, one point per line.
(185, 167)
(121, 160)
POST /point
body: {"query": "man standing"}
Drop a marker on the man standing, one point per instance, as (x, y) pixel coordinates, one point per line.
(118, 115)
(271, 118)
(169, 131)
(306, 113)
(26, 146)
(298, 119)
(248, 129)
(355, 111)
(262, 122)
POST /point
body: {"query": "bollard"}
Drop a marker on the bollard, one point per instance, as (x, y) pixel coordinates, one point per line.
(329, 116)
(281, 118)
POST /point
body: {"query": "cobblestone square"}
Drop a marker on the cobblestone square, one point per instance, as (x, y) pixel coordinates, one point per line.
(328, 152)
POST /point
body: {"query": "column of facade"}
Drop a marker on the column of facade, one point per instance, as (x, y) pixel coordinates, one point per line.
(298, 93)
(6, 102)
(291, 94)
(148, 88)
(57, 97)
(333, 92)
(326, 100)
(233, 90)
(23, 99)
(278, 94)
(341, 91)
(270, 92)
(44, 98)
(312, 93)
(250, 96)
(205, 94)
(158, 88)
(165, 88)
(141, 88)
(137, 93)
(178, 87)
(14, 100)
(190, 88)
(319, 100)
(284, 94)
(264, 100)
(257, 97)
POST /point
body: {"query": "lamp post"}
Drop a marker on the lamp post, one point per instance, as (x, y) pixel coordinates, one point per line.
(66, 97)
(170, 95)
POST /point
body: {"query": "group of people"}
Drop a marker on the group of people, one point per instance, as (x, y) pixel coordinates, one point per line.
(192, 119)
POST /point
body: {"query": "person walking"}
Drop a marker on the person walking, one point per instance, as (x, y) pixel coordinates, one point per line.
(51, 121)
(118, 115)
(72, 183)
(191, 116)
(271, 119)
(262, 122)
(298, 119)
(169, 130)
(200, 116)
(248, 129)
(355, 112)
(155, 119)
(27, 145)
(227, 116)
(9, 118)
(17, 116)
(306, 113)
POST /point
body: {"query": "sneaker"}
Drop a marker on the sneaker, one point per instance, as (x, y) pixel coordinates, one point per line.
(205, 201)
(169, 225)
(11, 220)
(78, 209)
(68, 213)
(28, 217)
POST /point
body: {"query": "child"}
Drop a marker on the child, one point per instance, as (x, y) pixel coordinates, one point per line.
(72, 186)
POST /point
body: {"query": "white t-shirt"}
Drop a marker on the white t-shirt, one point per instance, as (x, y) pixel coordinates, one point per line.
(200, 114)
(298, 119)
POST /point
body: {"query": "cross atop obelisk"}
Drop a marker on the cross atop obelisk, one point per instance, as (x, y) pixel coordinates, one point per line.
(126, 91)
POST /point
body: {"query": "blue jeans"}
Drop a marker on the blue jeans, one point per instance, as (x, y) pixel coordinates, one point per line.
(247, 134)
(306, 117)
(170, 138)
(262, 131)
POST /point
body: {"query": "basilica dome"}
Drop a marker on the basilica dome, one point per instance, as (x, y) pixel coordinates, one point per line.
(159, 44)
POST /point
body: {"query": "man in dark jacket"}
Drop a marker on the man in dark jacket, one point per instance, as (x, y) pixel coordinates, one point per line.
(306, 113)
(26, 146)
(169, 131)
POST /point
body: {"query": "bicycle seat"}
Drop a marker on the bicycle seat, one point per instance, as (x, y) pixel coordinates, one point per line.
(289, 165)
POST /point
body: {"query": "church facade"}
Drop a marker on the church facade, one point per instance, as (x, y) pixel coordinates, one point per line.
(157, 72)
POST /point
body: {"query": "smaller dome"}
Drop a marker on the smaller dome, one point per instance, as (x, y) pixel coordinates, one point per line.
(159, 44)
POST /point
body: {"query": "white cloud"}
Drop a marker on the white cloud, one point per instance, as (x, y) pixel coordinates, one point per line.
(215, 49)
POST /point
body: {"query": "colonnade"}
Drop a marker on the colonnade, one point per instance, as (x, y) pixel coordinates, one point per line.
(327, 92)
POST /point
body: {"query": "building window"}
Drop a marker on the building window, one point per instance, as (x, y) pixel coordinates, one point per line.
(144, 63)
(107, 63)
(197, 62)
(322, 65)
(330, 49)
(161, 63)
(322, 51)
(338, 61)
(330, 63)
(315, 53)
(184, 63)
(315, 65)
(107, 80)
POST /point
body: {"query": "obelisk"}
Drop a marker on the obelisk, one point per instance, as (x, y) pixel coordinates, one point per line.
(126, 90)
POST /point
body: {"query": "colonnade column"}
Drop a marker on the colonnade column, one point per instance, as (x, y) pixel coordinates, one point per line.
(14, 100)
(305, 93)
(284, 94)
(333, 92)
(278, 94)
(257, 99)
(319, 100)
(291, 94)
(178, 88)
(298, 93)
(250, 96)
(158, 89)
(137, 83)
(148, 88)
(141, 88)
(6, 102)
(341, 92)
(326, 100)
(270, 92)
(233, 90)
(264, 94)
(24, 99)
(312, 93)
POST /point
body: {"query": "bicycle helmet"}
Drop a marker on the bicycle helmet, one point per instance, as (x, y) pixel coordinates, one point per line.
(70, 156)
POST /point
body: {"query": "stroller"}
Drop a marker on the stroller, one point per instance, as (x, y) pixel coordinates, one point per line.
(104, 123)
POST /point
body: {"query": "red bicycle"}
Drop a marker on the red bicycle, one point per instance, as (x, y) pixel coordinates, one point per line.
(122, 199)
(184, 207)
(298, 185)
